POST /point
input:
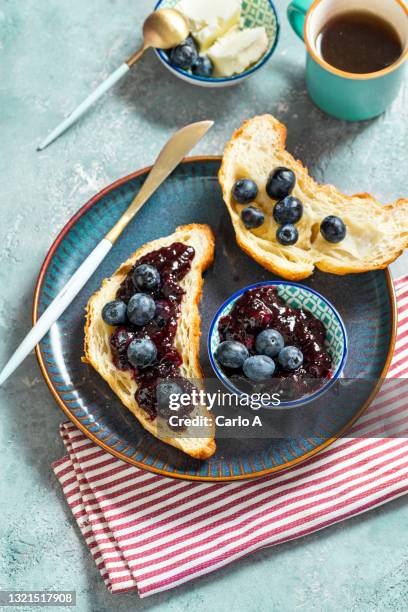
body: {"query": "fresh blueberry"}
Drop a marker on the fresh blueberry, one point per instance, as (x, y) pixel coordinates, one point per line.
(244, 191)
(288, 210)
(114, 313)
(281, 183)
(258, 367)
(269, 342)
(141, 309)
(287, 235)
(185, 55)
(141, 352)
(290, 358)
(231, 354)
(203, 67)
(163, 392)
(333, 229)
(252, 217)
(146, 278)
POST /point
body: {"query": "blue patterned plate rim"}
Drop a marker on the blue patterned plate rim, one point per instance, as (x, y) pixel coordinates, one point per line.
(184, 476)
(302, 400)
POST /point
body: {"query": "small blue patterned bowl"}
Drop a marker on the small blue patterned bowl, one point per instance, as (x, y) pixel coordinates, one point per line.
(254, 13)
(301, 297)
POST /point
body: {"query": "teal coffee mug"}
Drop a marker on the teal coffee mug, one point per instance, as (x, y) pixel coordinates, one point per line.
(347, 95)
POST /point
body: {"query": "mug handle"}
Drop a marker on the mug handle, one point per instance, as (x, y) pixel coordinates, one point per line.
(296, 14)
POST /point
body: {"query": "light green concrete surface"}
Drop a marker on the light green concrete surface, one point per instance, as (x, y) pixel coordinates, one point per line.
(52, 52)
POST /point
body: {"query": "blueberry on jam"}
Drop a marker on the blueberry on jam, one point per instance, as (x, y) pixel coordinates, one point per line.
(281, 183)
(290, 358)
(146, 278)
(164, 391)
(172, 264)
(114, 313)
(258, 368)
(141, 352)
(269, 342)
(141, 309)
(231, 354)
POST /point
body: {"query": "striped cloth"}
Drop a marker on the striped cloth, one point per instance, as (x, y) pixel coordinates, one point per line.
(153, 533)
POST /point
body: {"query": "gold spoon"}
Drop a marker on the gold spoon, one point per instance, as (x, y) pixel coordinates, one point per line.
(163, 29)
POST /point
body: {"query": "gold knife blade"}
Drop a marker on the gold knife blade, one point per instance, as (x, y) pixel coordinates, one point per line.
(169, 158)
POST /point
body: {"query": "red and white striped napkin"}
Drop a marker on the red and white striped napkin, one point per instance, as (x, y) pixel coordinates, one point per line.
(151, 533)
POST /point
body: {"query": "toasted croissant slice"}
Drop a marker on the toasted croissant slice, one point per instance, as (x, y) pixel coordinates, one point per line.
(187, 338)
(376, 234)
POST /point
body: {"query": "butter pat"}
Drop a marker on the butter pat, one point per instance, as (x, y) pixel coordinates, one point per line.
(238, 49)
(210, 19)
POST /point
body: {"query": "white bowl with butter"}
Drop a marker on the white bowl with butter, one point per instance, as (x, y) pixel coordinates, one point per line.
(238, 39)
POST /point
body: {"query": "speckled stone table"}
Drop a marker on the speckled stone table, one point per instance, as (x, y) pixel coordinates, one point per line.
(52, 52)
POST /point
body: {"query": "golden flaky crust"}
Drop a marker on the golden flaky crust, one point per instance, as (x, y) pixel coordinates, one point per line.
(187, 340)
(376, 234)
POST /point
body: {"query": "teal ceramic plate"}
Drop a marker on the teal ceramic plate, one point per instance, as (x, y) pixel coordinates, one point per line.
(366, 303)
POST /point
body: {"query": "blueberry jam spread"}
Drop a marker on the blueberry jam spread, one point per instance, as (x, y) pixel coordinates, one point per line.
(172, 263)
(303, 335)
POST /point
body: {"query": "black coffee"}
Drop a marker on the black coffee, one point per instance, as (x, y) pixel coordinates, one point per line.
(359, 42)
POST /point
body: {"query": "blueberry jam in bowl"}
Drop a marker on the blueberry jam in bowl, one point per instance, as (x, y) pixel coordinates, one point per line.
(278, 337)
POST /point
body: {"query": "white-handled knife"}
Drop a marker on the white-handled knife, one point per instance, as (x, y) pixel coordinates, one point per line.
(179, 145)
(163, 29)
